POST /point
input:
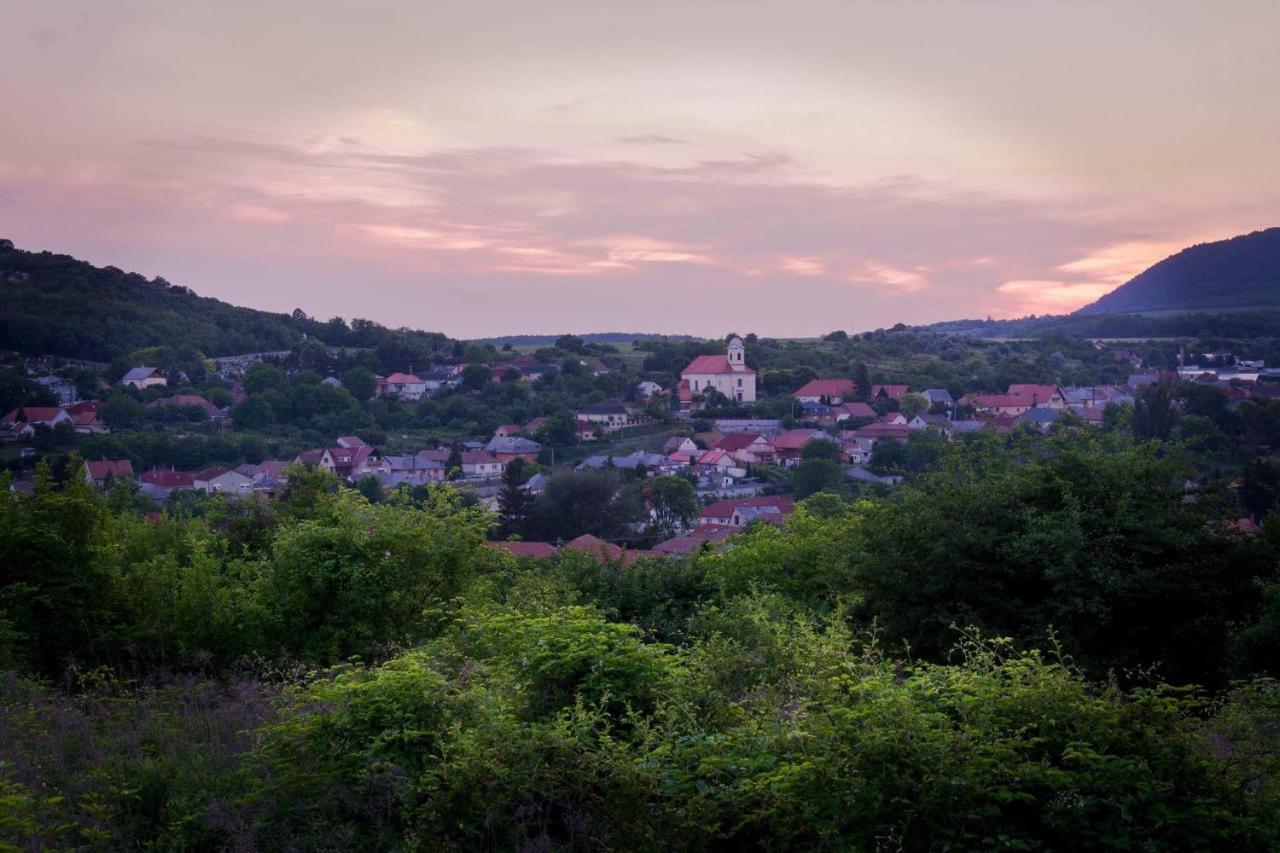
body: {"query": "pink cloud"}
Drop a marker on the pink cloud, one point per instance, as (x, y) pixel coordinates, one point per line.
(747, 242)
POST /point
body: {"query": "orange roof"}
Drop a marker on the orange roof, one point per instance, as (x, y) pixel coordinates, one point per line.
(595, 546)
(826, 388)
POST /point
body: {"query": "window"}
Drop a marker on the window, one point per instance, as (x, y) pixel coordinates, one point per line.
(739, 383)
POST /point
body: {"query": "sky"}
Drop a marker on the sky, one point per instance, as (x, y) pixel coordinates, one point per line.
(699, 166)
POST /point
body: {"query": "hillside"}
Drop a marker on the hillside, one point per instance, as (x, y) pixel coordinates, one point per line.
(59, 305)
(1243, 272)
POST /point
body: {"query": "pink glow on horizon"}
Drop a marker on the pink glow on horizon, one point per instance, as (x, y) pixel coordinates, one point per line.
(531, 170)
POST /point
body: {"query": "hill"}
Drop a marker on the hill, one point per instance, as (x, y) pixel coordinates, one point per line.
(59, 305)
(1243, 272)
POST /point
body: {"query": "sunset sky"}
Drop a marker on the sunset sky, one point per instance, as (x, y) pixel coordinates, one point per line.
(788, 168)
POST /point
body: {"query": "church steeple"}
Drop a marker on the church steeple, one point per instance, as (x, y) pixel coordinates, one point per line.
(737, 353)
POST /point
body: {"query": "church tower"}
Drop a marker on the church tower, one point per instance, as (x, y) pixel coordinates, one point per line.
(737, 354)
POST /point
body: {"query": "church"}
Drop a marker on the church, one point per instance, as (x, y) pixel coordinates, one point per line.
(726, 373)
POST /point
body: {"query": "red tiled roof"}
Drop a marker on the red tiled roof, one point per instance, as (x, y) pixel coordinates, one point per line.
(103, 469)
(210, 473)
(1027, 395)
(167, 479)
(725, 508)
(893, 392)
(855, 410)
(402, 378)
(692, 541)
(826, 388)
(478, 457)
(33, 414)
(794, 439)
(714, 364)
(739, 441)
(596, 547)
(882, 430)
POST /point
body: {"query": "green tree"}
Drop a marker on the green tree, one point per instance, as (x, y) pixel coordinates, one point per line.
(360, 383)
(263, 376)
(476, 376)
(121, 411)
(673, 502)
(1154, 414)
(514, 502)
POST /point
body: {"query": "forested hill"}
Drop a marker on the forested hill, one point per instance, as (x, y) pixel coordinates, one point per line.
(59, 305)
(1243, 272)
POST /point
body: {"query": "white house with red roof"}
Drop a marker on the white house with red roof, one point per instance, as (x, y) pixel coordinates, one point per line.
(101, 471)
(830, 391)
(726, 373)
(724, 511)
(405, 386)
(22, 421)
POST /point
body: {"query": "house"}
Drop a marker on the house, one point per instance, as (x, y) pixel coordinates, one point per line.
(701, 537)
(434, 380)
(595, 366)
(158, 483)
(506, 448)
(594, 546)
(415, 470)
(721, 462)
(859, 444)
(144, 377)
(481, 463)
(23, 421)
(101, 471)
(829, 391)
(889, 392)
(938, 397)
(788, 445)
(653, 462)
(63, 389)
(1034, 396)
(403, 386)
(939, 422)
(309, 457)
(856, 411)
(744, 515)
(353, 462)
(647, 389)
(90, 423)
(508, 430)
(220, 480)
(535, 424)
(350, 442)
(610, 416)
(727, 374)
(679, 444)
(194, 401)
(722, 512)
(994, 404)
(747, 447)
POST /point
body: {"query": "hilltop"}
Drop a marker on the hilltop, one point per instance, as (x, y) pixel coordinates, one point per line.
(59, 305)
(1242, 272)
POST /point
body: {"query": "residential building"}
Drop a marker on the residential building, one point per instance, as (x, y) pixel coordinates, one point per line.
(404, 386)
(101, 471)
(889, 392)
(62, 388)
(144, 377)
(829, 391)
(723, 512)
(221, 480)
(610, 416)
(480, 463)
(509, 447)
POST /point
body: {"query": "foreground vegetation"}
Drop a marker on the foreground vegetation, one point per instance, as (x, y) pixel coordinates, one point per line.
(1046, 643)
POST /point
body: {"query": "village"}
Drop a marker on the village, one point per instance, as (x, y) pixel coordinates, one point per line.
(737, 467)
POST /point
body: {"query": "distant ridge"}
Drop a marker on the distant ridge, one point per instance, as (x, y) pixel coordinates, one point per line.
(1239, 273)
(589, 337)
